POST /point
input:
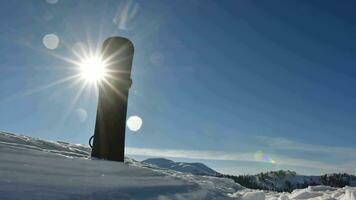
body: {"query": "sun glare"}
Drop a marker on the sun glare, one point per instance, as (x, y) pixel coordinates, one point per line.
(93, 69)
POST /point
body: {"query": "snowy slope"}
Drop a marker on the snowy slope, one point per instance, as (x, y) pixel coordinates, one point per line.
(31, 168)
(193, 168)
(36, 169)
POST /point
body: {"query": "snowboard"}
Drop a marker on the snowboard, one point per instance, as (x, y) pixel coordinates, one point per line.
(109, 134)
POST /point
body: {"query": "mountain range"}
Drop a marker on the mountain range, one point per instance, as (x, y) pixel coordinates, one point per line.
(274, 180)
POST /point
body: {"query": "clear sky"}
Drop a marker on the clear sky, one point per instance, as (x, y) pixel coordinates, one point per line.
(243, 86)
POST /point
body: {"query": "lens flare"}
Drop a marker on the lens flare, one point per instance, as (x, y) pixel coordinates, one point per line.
(51, 41)
(263, 157)
(134, 123)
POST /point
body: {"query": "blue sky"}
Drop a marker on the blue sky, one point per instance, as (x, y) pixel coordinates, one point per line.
(243, 86)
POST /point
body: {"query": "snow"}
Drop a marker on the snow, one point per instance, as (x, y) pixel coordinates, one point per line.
(31, 168)
(305, 194)
(254, 196)
(311, 193)
(193, 168)
(350, 194)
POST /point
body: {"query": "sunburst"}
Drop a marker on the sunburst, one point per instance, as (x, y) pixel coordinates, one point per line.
(93, 69)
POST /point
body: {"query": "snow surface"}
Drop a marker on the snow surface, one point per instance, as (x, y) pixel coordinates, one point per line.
(31, 168)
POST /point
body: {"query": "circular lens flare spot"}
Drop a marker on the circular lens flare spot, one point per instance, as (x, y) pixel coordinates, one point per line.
(93, 69)
(51, 41)
(134, 123)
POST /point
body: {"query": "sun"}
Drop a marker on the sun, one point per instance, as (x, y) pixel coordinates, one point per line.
(93, 69)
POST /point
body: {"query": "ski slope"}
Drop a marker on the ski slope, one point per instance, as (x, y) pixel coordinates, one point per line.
(31, 168)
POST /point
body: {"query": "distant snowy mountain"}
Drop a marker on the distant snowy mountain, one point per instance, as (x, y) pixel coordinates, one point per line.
(31, 168)
(193, 168)
(282, 181)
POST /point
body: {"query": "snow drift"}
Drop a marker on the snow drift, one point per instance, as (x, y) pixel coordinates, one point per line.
(31, 168)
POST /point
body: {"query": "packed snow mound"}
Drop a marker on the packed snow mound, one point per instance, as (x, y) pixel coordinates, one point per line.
(193, 168)
(60, 148)
(31, 168)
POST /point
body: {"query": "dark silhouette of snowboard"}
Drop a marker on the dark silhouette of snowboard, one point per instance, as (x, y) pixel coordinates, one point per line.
(109, 135)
